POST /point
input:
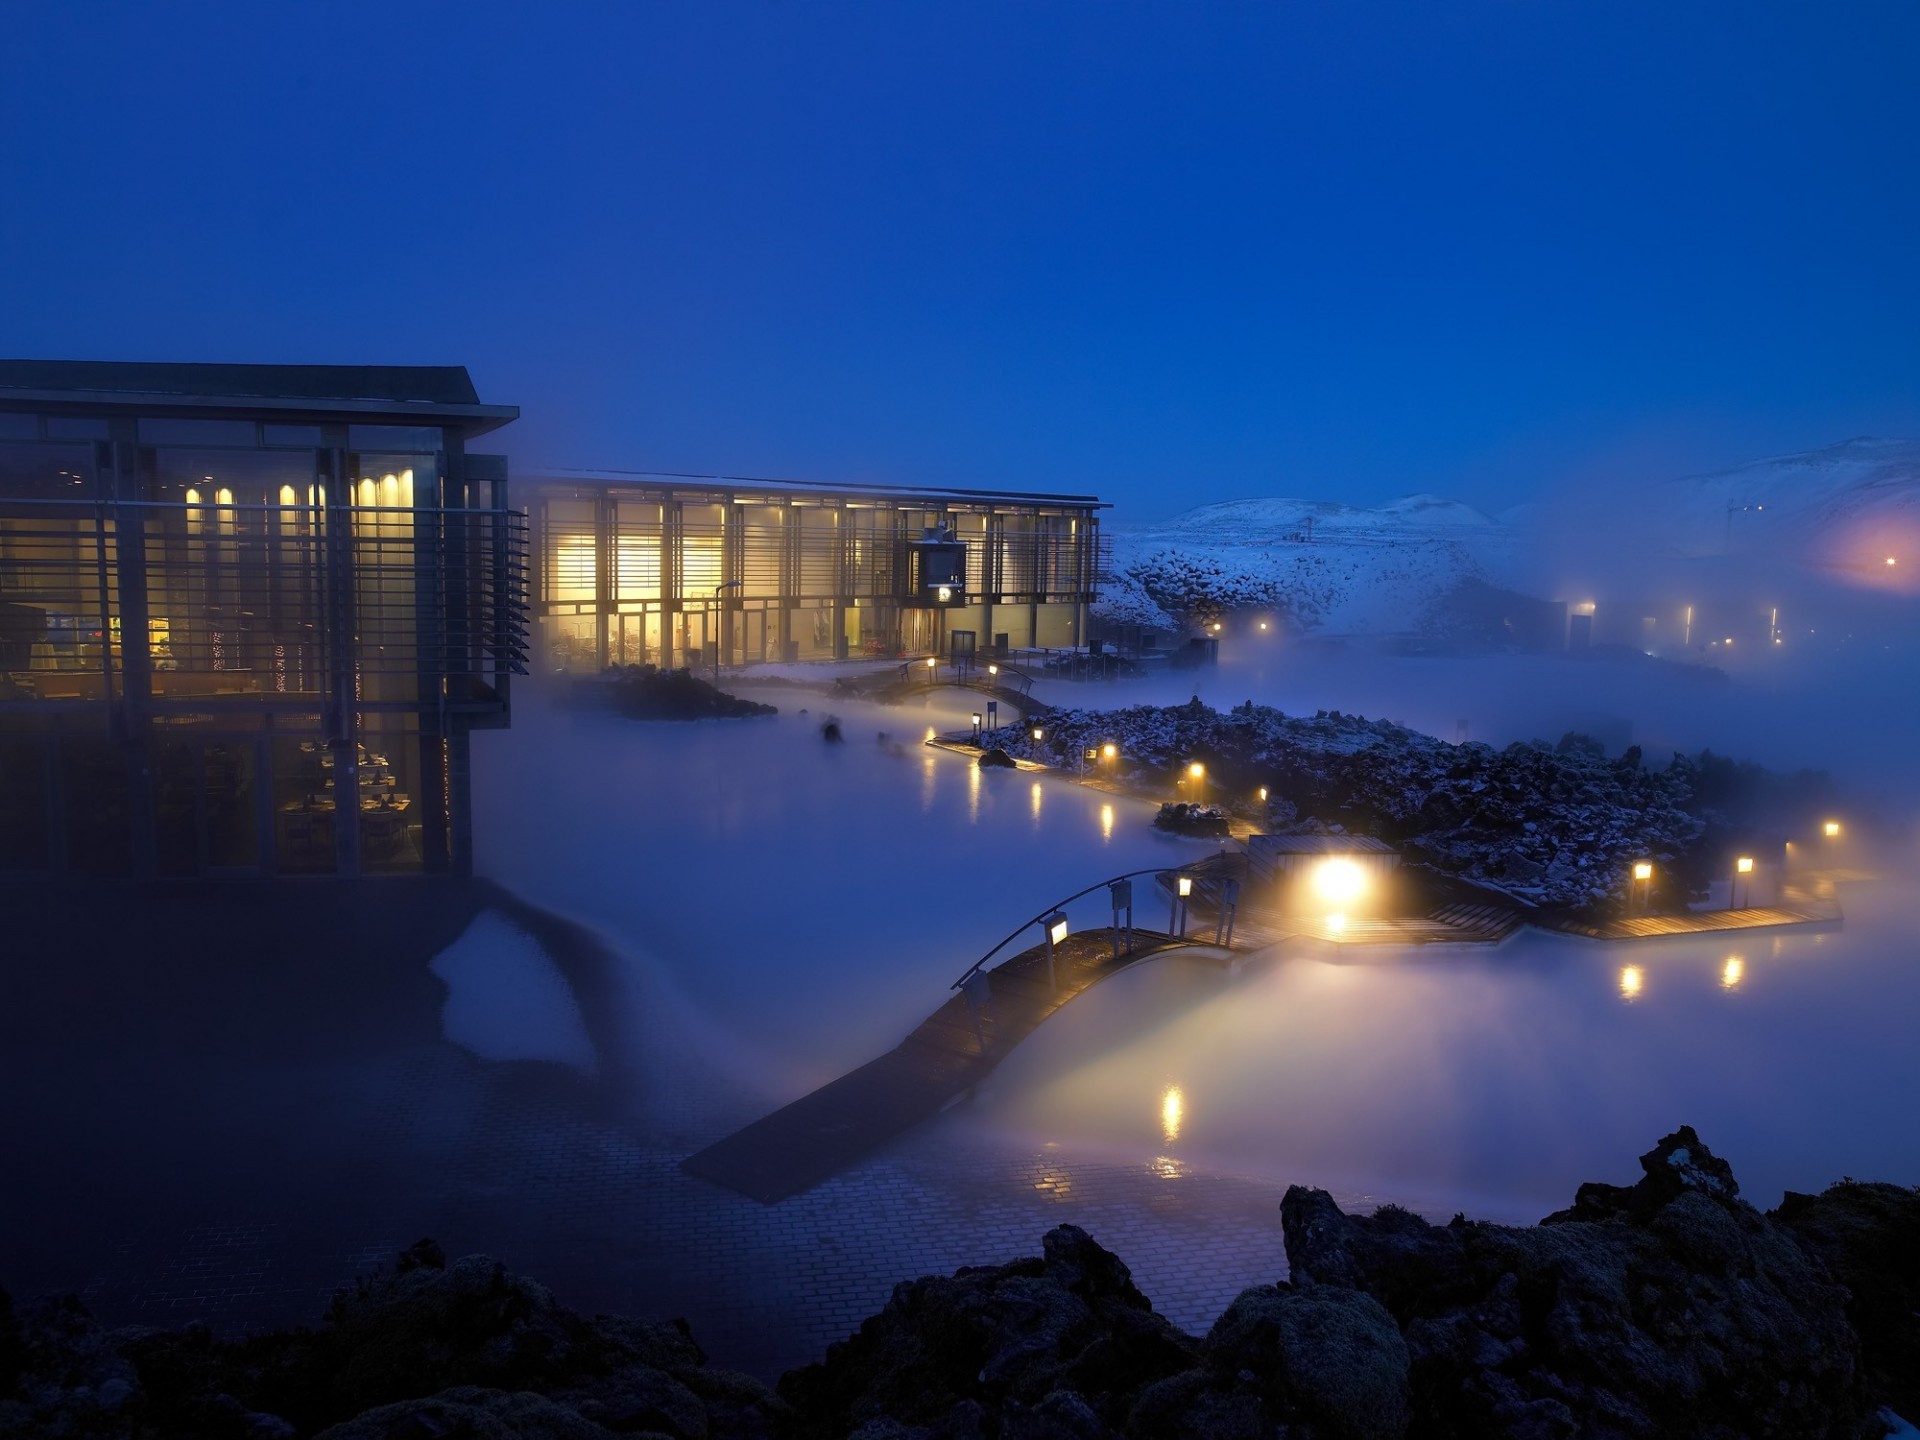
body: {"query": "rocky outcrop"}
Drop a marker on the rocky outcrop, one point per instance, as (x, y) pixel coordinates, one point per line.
(1053, 1347)
(1869, 1237)
(428, 1349)
(1670, 1307)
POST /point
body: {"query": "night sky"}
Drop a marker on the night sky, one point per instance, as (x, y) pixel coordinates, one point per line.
(1167, 254)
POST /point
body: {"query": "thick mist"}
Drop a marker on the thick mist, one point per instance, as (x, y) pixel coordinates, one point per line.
(791, 908)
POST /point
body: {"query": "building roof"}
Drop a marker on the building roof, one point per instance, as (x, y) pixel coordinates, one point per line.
(674, 480)
(436, 394)
(1313, 843)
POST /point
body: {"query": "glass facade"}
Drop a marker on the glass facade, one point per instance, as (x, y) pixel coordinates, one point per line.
(631, 571)
(247, 646)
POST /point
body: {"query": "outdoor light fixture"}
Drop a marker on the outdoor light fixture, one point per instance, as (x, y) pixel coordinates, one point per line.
(1057, 928)
(1263, 624)
(993, 669)
(1038, 733)
(1832, 828)
(1263, 794)
(1216, 624)
(1183, 886)
(1643, 871)
(1109, 750)
(932, 661)
(1744, 865)
(1339, 881)
(943, 594)
(1196, 770)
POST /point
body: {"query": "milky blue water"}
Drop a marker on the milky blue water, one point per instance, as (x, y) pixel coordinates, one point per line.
(797, 907)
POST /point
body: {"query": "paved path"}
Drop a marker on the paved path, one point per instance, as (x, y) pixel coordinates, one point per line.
(951, 1052)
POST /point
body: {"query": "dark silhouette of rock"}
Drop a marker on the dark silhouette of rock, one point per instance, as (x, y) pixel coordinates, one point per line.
(996, 759)
(646, 692)
(1869, 1236)
(1667, 1308)
(830, 730)
(1055, 1340)
(1182, 818)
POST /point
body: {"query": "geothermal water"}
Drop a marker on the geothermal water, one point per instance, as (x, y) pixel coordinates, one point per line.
(791, 908)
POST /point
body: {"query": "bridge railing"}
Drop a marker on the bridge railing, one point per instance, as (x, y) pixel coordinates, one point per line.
(1019, 930)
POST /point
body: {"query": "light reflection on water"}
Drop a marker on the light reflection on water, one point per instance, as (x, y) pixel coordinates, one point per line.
(813, 903)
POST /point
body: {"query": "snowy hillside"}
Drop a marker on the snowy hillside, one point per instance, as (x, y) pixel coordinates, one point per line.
(1849, 505)
(1328, 567)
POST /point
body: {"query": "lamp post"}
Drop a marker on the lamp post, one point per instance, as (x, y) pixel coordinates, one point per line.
(1055, 926)
(718, 616)
(1177, 912)
(1741, 866)
(1642, 881)
(976, 727)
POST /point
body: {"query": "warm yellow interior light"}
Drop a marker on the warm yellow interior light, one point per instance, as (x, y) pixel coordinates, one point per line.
(1339, 880)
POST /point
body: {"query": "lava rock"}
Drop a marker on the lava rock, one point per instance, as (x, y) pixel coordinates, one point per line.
(1678, 1309)
(1329, 1357)
(946, 1350)
(1869, 1237)
(996, 759)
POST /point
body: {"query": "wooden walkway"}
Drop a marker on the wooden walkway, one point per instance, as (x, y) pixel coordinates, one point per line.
(1697, 922)
(841, 1123)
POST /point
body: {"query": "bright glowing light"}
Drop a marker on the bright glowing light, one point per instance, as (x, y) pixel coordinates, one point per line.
(976, 717)
(993, 669)
(1196, 770)
(1631, 981)
(1184, 886)
(1109, 750)
(932, 661)
(1057, 929)
(1263, 624)
(1173, 1109)
(287, 496)
(1732, 973)
(1891, 560)
(1106, 822)
(1038, 733)
(1339, 880)
(1337, 923)
(1216, 624)
(1643, 871)
(1832, 828)
(223, 496)
(1036, 800)
(1744, 865)
(193, 496)
(1263, 793)
(943, 594)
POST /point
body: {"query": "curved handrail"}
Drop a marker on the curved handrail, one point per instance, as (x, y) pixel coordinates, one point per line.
(1015, 935)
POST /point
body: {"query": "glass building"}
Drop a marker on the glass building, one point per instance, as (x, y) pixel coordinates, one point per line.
(676, 570)
(249, 615)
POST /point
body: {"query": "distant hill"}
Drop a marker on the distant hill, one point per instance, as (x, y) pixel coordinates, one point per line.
(1850, 504)
(1837, 513)
(1325, 566)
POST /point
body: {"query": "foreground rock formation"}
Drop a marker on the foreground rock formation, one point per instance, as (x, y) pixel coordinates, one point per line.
(1669, 1307)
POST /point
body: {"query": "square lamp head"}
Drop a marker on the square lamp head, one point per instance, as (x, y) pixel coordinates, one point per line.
(1643, 871)
(1183, 886)
(1056, 924)
(1744, 865)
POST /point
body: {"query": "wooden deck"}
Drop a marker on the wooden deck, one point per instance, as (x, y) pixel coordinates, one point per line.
(1697, 922)
(841, 1123)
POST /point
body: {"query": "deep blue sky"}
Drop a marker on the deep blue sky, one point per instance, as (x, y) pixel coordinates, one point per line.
(1167, 253)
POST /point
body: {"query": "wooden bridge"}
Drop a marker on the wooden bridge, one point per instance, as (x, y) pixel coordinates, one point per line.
(952, 1051)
